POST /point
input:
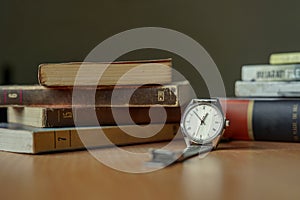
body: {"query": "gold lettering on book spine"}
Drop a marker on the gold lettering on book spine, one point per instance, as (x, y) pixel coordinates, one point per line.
(295, 122)
(249, 119)
(160, 95)
(12, 95)
(67, 115)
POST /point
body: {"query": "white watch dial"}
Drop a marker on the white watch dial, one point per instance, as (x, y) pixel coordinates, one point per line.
(202, 122)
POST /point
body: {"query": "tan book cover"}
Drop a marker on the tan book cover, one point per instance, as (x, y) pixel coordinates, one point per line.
(139, 72)
(26, 139)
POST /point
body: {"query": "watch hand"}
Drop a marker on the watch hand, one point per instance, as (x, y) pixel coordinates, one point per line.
(202, 121)
(197, 115)
(205, 116)
(196, 132)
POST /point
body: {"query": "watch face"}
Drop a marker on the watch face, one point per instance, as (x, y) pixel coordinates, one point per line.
(202, 122)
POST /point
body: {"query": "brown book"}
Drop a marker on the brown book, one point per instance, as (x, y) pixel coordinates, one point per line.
(26, 139)
(141, 72)
(66, 116)
(35, 95)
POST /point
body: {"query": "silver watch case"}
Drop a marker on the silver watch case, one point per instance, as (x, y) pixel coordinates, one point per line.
(211, 141)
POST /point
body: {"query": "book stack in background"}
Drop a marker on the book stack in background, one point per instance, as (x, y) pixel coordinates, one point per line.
(280, 78)
(42, 118)
(268, 103)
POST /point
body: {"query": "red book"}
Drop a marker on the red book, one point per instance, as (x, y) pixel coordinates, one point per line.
(263, 119)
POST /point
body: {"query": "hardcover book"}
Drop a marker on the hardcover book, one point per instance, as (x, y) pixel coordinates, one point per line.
(138, 72)
(263, 119)
(68, 116)
(285, 58)
(271, 72)
(267, 89)
(3, 114)
(26, 139)
(35, 95)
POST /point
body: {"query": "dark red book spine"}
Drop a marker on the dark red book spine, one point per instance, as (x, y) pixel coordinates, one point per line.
(104, 96)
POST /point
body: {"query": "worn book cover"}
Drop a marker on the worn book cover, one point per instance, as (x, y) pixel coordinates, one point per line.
(68, 116)
(129, 95)
(267, 88)
(271, 72)
(27, 139)
(98, 73)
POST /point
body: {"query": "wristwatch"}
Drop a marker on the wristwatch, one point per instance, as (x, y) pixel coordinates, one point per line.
(202, 125)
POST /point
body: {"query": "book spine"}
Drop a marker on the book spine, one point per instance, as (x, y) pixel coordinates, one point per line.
(3, 114)
(34, 96)
(268, 120)
(105, 115)
(285, 58)
(267, 89)
(271, 72)
(8, 97)
(59, 140)
(145, 96)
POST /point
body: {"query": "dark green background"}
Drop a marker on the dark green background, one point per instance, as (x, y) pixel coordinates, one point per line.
(233, 32)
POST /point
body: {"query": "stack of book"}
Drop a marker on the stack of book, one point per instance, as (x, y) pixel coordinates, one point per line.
(280, 78)
(268, 103)
(45, 117)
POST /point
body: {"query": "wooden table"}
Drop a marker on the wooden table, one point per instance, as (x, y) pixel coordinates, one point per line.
(238, 170)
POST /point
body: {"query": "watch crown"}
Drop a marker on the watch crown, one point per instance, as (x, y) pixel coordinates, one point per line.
(227, 123)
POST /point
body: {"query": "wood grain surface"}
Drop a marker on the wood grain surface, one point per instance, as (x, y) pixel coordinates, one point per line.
(237, 170)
